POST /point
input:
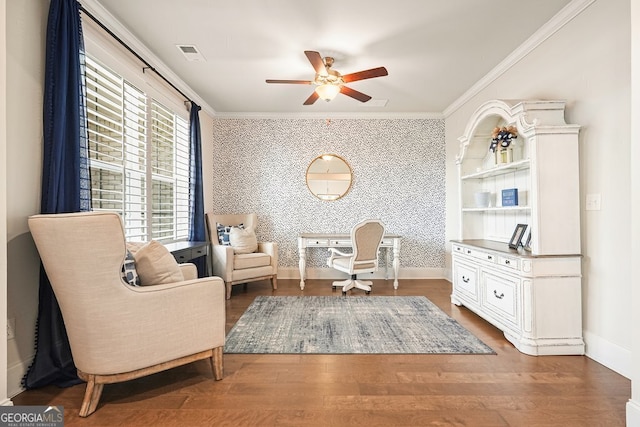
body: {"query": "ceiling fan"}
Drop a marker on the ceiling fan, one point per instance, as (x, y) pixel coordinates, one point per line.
(329, 82)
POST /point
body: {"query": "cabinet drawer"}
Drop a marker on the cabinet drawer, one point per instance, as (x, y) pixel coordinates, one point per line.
(485, 256)
(513, 263)
(500, 296)
(318, 242)
(466, 280)
(183, 255)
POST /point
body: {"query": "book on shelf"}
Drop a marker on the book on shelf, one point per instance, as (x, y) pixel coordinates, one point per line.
(510, 197)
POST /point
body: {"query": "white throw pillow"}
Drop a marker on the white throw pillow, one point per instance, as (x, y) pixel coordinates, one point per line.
(155, 265)
(243, 241)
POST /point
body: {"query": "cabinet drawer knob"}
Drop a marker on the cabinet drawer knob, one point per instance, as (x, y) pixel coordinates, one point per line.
(465, 279)
(489, 257)
(495, 294)
(468, 251)
(507, 262)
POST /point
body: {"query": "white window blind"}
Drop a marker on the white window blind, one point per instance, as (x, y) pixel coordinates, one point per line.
(139, 155)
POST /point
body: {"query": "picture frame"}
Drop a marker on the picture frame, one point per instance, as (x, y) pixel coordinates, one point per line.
(516, 238)
(527, 239)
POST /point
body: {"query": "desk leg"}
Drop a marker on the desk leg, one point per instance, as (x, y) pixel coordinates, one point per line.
(387, 262)
(396, 262)
(302, 253)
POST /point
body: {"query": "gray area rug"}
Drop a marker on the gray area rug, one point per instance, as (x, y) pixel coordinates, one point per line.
(349, 325)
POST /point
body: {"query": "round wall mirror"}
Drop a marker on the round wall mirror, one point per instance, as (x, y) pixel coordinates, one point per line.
(329, 177)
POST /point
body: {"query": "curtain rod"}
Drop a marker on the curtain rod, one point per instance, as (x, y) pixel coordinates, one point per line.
(133, 52)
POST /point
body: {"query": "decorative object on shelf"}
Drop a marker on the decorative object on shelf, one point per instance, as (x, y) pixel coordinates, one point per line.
(510, 197)
(516, 239)
(501, 138)
(482, 199)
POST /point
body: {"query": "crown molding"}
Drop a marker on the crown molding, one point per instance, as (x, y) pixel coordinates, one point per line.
(110, 21)
(329, 115)
(559, 20)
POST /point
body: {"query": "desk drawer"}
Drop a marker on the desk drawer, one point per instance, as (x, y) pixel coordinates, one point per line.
(340, 242)
(318, 242)
(183, 255)
(387, 242)
(198, 252)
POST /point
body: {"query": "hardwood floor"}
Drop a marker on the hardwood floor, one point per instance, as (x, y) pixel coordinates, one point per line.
(506, 389)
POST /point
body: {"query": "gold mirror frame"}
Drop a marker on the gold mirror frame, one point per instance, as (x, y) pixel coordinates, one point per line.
(329, 177)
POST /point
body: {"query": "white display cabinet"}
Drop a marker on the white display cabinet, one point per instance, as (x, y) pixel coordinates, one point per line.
(533, 295)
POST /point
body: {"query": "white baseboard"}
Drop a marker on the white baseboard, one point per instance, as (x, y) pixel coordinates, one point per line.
(608, 354)
(6, 402)
(633, 413)
(15, 373)
(330, 273)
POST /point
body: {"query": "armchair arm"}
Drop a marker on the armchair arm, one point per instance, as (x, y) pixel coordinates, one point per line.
(270, 248)
(334, 251)
(337, 254)
(222, 261)
(189, 270)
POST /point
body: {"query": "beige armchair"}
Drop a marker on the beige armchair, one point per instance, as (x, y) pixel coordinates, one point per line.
(235, 268)
(366, 238)
(118, 332)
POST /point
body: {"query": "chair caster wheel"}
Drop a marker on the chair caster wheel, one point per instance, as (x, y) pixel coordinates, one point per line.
(367, 292)
(344, 293)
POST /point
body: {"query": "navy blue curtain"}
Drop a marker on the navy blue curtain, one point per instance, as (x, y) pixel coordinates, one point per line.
(65, 177)
(197, 231)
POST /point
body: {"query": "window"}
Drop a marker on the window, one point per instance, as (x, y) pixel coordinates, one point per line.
(139, 157)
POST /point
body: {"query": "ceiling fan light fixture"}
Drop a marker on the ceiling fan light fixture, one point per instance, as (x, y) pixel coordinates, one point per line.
(327, 91)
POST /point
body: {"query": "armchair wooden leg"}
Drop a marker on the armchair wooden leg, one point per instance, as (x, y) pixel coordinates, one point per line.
(216, 363)
(91, 396)
(274, 281)
(228, 286)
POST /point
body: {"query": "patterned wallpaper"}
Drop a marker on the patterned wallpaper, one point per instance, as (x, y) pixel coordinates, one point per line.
(398, 169)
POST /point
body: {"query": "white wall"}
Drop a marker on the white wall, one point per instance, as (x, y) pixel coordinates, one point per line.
(586, 63)
(26, 29)
(3, 202)
(633, 406)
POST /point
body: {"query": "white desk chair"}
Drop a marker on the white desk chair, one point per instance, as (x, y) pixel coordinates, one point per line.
(366, 237)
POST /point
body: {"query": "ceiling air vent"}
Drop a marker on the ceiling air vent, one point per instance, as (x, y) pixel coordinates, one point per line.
(190, 52)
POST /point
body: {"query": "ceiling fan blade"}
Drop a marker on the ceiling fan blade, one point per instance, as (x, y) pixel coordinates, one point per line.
(354, 94)
(366, 74)
(296, 82)
(317, 62)
(313, 98)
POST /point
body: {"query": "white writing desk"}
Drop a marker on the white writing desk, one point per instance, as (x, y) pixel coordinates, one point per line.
(321, 240)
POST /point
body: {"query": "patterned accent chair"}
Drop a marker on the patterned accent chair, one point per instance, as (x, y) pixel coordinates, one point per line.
(118, 332)
(241, 268)
(366, 237)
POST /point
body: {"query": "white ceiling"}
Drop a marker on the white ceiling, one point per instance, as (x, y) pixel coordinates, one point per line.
(434, 50)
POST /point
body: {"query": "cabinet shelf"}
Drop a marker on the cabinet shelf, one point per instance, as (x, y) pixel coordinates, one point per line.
(499, 170)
